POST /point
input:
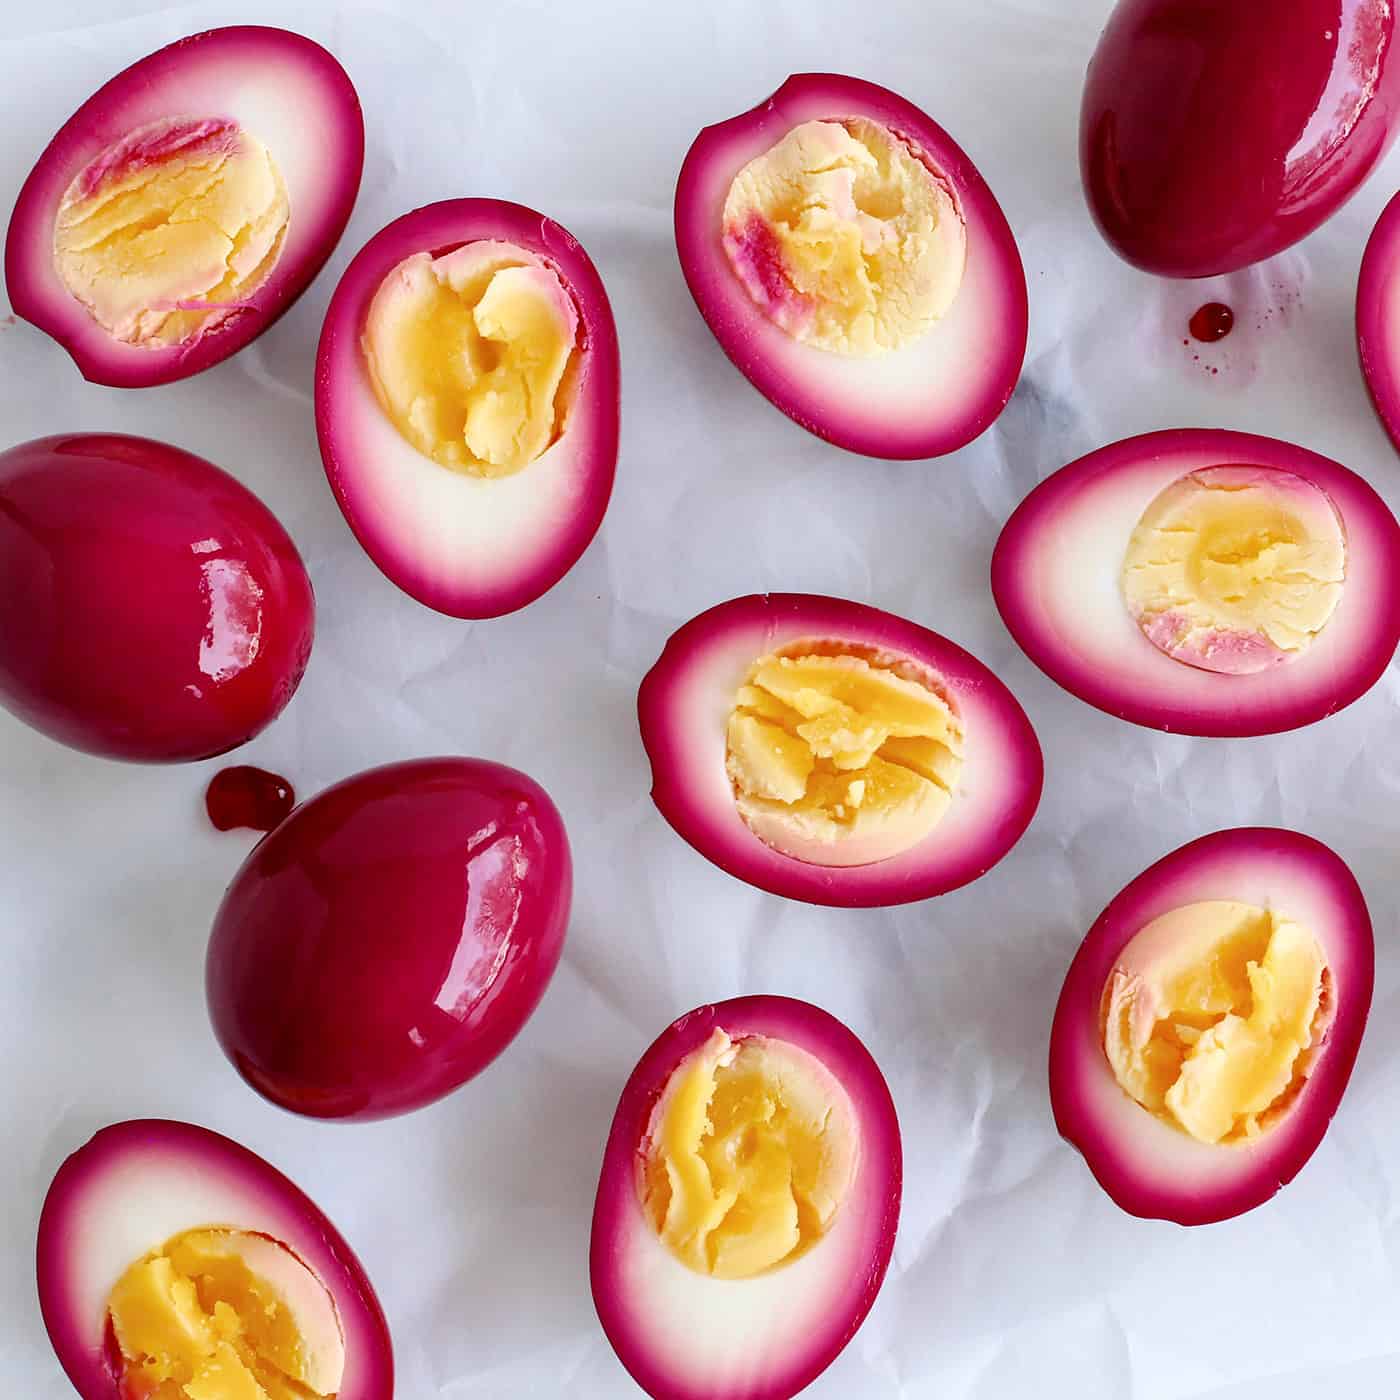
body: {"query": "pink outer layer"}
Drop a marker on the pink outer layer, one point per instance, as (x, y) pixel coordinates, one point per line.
(282, 88)
(467, 546)
(927, 399)
(819, 1301)
(1214, 135)
(1377, 322)
(684, 705)
(154, 609)
(1147, 1166)
(136, 1184)
(1055, 576)
(391, 937)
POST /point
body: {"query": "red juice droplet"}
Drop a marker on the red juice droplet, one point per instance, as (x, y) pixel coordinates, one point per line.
(249, 797)
(1213, 321)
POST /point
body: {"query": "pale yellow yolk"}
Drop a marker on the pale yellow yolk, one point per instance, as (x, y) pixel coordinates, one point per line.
(469, 354)
(845, 238)
(224, 1315)
(839, 761)
(751, 1150)
(1236, 569)
(169, 232)
(1213, 1015)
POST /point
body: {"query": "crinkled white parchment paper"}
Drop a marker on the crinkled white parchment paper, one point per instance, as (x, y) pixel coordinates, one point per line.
(1014, 1276)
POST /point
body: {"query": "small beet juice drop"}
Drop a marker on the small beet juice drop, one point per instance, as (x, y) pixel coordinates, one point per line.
(250, 797)
(1212, 322)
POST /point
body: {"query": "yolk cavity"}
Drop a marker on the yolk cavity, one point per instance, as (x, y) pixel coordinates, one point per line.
(219, 1314)
(1236, 569)
(470, 353)
(840, 759)
(1213, 1016)
(169, 232)
(751, 1150)
(845, 238)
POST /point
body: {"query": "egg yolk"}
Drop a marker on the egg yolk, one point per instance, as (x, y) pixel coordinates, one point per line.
(470, 354)
(751, 1150)
(218, 1314)
(168, 233)
(1213, 1016)
(841, 759)
(1236, 569)
(845, 237)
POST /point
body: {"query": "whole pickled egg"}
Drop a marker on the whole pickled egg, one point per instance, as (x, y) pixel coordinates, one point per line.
(1215, 134)
(391, 937)
(155, 610)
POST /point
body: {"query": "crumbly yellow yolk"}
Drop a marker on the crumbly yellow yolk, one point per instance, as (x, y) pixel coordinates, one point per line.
(838, 759)
(1236, 569)
(751, 1151)
(1213, 1015)
(845, 238)
(169, 232)
(470, 352)
(225, 1315)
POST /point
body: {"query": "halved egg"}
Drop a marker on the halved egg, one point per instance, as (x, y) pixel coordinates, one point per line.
(855, 266)
(834, 753)
(748, 1202)
(390, 937)
(1215, 135)
(1204, 582)
(467, 401)
(1209, 1023)
(1377, 325)
(154, 609)
(175, 1264)
(186, 204)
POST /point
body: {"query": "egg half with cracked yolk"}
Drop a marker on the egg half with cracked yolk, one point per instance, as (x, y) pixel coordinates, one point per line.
(748, 1202)
(1204, 582)
(174, 1264)
(187, 204)
(855, 266)
(1208, 1026)
(467, 400)
(834, 753)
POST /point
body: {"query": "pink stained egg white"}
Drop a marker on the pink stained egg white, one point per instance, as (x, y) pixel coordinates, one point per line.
(1058, 569)
(940, 383)
(243, 149)
(467, 538)
(688, 1335)
(985, 798)
(137, 1185)
(1149, 1166)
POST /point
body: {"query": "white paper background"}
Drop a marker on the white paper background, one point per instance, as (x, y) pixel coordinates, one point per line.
(1013, 1275)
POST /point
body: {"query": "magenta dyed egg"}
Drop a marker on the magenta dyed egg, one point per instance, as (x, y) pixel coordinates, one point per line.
(155, 609)
(685, 1334)
(1204, 665)
(752, 781)
(1377, 325)
(910, 388)
(1144, 1159)
(445, 498)
(137, 1185)
(390, 938)
(187, 204)
(1215, 134)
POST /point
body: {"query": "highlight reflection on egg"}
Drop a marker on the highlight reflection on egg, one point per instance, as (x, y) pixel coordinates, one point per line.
(747, 1204)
